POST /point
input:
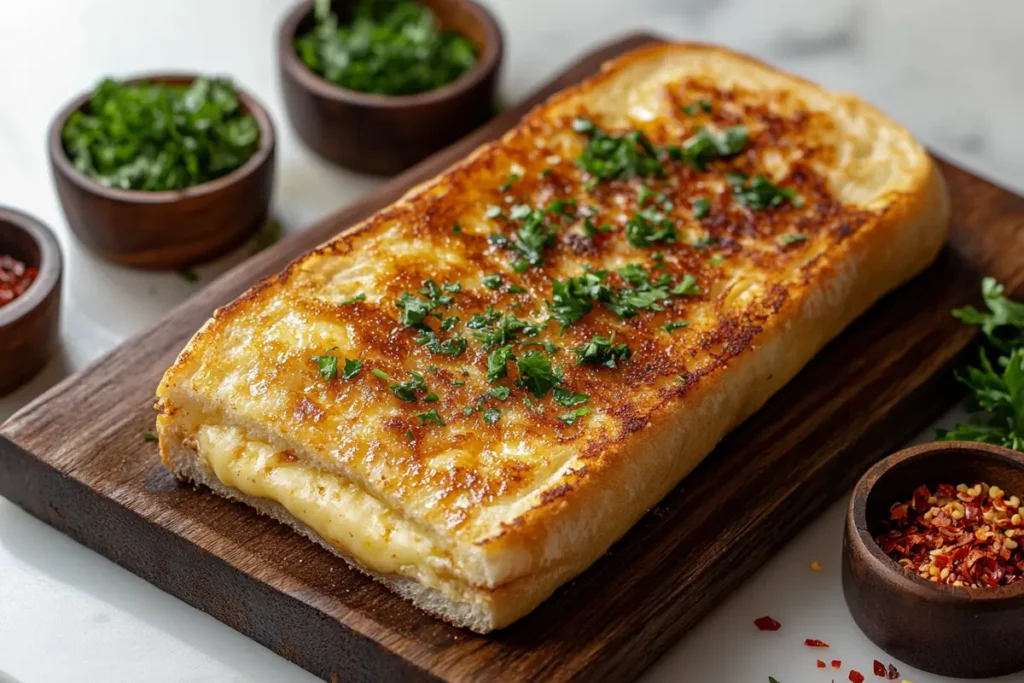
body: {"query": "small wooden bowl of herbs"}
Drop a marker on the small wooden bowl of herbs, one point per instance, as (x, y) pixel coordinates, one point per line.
(378, 85)
(165, 170)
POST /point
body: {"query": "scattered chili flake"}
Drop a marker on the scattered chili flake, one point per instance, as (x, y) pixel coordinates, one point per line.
(856, 677)
(15, 278)
(814, 642)
(816, 566)
(959, 535)
(879, 669)
(767, 624)
(821, 664)
(893, 673)
(837, 664)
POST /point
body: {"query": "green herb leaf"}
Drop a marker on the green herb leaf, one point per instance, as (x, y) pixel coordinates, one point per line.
(704, 146)
(564, 397)
(389, 47)
(353, 299)
(570, 301)
(327, 366)
(493, 211)
(602, 351)
(571, 417)
(617, 156)
(157, 137)
(648, 227)
(407, 390)
(512, 177)
(492, 281)
(761, 193)
(535, 373)
(149, 436)
(500, 392)
(701, 208)
(687, 286)
(430, 416)
(497, 363)
(792, 238)
(1002, 323)
(352, 368)
(671, 327)
(492, 415)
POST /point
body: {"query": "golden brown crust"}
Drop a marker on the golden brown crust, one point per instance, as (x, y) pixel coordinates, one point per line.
(527, 503)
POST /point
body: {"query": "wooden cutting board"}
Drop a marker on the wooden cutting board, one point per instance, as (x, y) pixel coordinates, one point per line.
(76, 459)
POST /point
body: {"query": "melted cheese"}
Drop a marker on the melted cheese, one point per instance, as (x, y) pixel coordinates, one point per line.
(340, 512)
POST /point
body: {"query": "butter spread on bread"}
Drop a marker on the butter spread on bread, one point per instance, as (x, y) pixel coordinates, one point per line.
(472, 394)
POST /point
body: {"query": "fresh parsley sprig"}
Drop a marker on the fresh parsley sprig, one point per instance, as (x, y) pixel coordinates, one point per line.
(997, 388)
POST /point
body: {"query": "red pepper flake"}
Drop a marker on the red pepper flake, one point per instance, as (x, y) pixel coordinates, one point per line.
(837, 664)
(15, 278)
(879, 669)
(962, 535)
(821, 664)
(767, 624)
(814, 642)
(893, 673)
(856, 677)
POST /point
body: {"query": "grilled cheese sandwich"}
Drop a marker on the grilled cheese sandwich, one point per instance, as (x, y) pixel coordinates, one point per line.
(471, 395)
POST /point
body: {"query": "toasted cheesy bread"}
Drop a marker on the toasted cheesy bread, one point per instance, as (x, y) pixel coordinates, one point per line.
(471, 395)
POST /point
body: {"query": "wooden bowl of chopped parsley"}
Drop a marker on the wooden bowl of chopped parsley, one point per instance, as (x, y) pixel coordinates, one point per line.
(378, 85)
(164, 170)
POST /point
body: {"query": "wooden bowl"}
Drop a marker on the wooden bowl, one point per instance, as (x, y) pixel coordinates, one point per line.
(950, 631)
(384, 134)
(29, 325)
(166, 229)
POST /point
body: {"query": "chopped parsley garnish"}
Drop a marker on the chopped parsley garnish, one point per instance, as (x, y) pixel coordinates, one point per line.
(327, 366)
(564, 397)
(715, 260)
(648, 227)
(394, 47)
(602, 351)
(616, 156)
(431, 398)
(457, 229)
(688, 285)
(642, 293)
(786, 240)
(515, 289)
(760, 193)
(694, 108)
(414, 309)
(561, 207)
(500, 392)
(449, 322)
(570, 299)
(704, 146)
(430, 416)
(512, 177)
(492, 281)
(705, 241)
(353, 299)
(644, 194)
(453, 346)
(492, 415)
(497, 363)
(157, 137)
(352, 368)
(589, 229)
(149, 436)
(672, 326)
(498, 329)
(701, 208)
(452, 287)
(531, 237)
(493, 211)
(535, 373)
(573, 415)
(407, 390)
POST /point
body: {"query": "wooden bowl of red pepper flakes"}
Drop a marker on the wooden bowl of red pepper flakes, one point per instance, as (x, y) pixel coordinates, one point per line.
(933, 558)
(30, 277)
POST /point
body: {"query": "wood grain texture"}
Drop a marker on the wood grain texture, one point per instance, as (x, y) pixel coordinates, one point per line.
(384, 134)
(169, 229)
(75, 458)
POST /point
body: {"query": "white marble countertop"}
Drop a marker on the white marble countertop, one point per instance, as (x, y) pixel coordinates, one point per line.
(950, 70)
